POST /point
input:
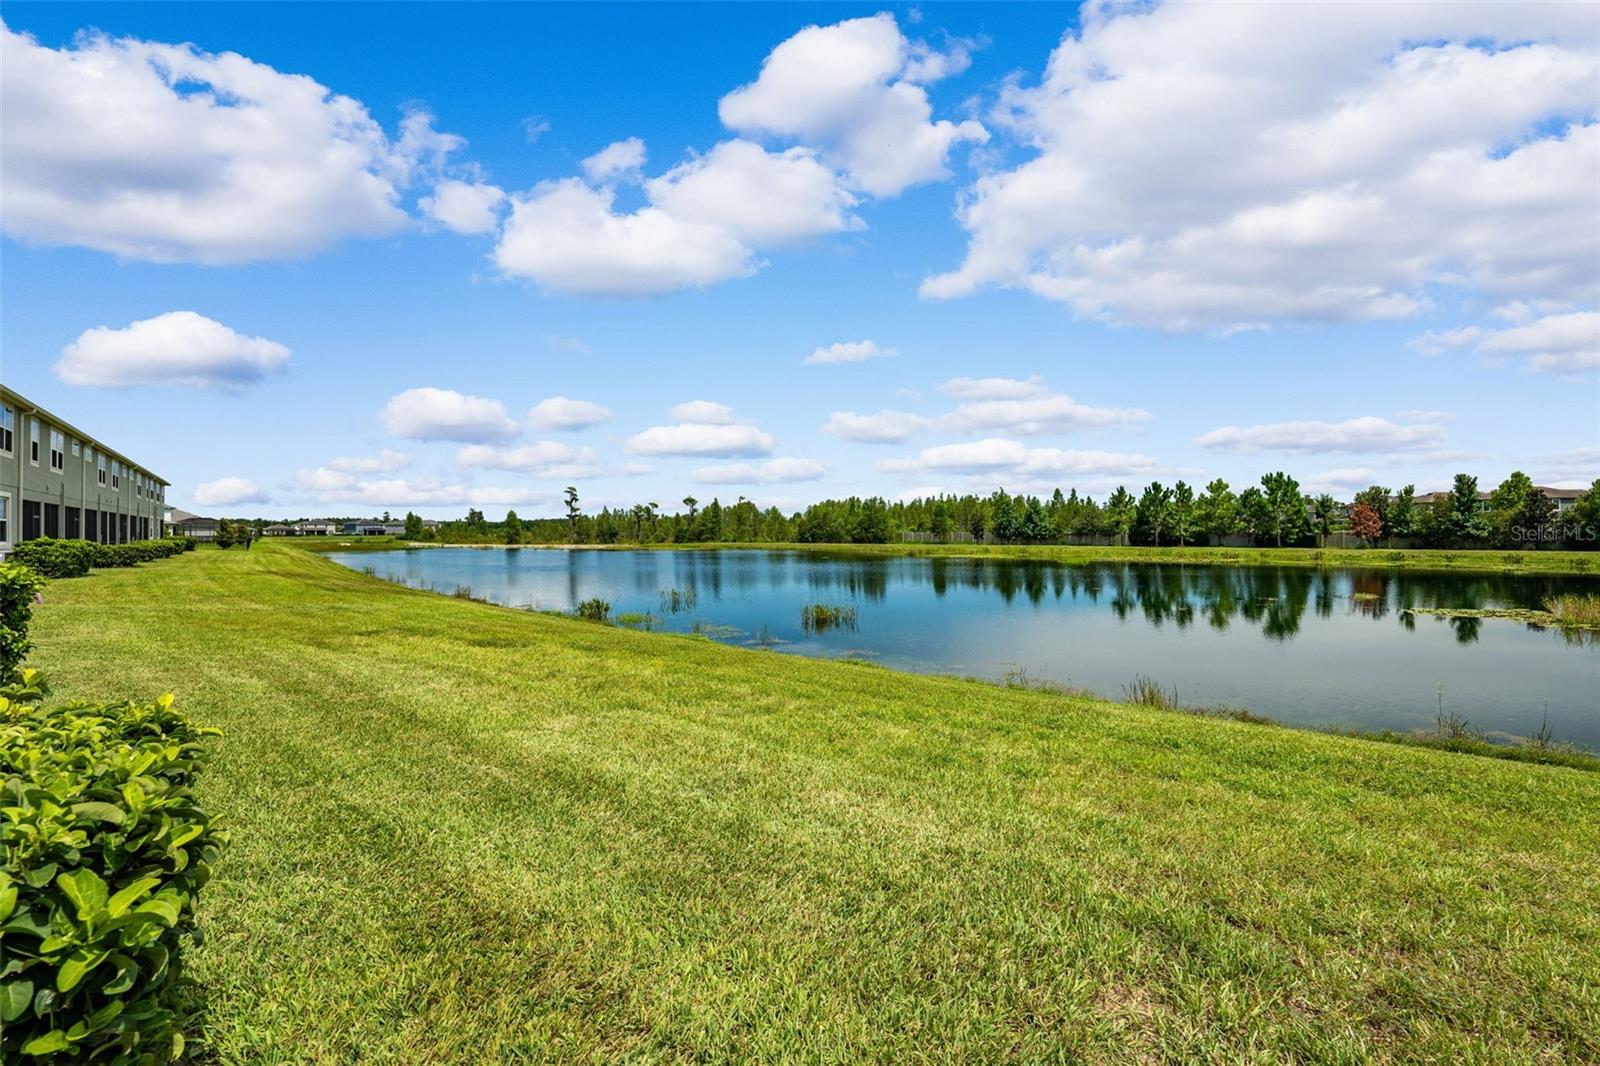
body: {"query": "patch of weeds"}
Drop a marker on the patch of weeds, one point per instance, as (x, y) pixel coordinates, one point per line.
(593, 610)
(1147, 692)
(821, 617)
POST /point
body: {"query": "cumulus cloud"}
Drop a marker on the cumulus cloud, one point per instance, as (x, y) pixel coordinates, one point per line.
(1366, 434)
(558, 412)
(1223, 166)
(848, 352)
(227, 492)
(769, 472)
(444, 414)
(545, 458)
(704, 221)
(998, 455)
(385, 461)
(464, 206)
(163, 152)
(702, 428)
(855, 89)
(1049, 412)
(396, 493)
(993, 388)
(618, 160)
(1029, 407)
(177, 348)
(885, 427)
(1564, 343)
(701, 411)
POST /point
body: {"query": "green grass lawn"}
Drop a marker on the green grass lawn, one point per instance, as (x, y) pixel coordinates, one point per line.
(465, 833)
(1554, 562)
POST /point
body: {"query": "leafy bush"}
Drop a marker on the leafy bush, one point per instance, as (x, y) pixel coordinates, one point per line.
(595, 610)
(55, 558)
(18, 587)
(103, 852)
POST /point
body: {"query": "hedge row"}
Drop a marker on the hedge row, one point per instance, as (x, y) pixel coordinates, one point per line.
(19, 586)
(103, 851)
(73, 558)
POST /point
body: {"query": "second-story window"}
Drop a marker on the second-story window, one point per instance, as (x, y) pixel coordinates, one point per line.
(8, 426)
(58, 450)
(116, 474)
(33, 441)
(100, 472)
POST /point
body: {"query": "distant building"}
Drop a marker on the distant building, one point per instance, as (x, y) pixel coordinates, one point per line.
(1562, 498)
(184, 524)
(57, 481)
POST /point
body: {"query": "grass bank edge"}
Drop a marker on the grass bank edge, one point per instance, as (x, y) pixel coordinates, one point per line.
(1452, 735)
(1485, 561)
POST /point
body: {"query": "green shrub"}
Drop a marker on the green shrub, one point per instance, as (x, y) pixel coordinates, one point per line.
(103, 851)
(595, 610)
(19, 585)
(55, 558)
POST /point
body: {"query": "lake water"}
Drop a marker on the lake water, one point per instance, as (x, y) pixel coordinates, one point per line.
(1321, 648)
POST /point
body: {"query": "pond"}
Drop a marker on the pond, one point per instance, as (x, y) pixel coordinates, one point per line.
(1333, 648)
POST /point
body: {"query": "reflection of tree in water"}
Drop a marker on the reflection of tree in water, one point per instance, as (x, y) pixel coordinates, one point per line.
(1273, 599)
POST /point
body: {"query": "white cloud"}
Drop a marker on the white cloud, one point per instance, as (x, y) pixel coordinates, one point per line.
(1366, 434)
(1007, 404)
(763, 198)
(1341, 482)
(856, 89)
(466, 207)
(705, 221)
(885, 427)
(545, 458)
(1048, 413)
(769, 472)
(702, 428)
(163, 152)
(997, 455)
(1223, 166)
(386, 460)
(558, 412)
(993, 388)
(444, 414)
(1565, 343)
(708, 411)
(567, 237)
(397, 493)
(177, 348)
(227, 492)
(848, 352)
(622, 159)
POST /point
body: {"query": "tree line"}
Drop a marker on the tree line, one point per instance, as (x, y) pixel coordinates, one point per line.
(1274, 512)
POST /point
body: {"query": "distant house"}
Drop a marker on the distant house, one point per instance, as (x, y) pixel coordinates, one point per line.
(1562, 498)
(182, 523)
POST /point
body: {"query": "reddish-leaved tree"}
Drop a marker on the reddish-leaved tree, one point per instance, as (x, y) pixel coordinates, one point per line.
(1365, 523)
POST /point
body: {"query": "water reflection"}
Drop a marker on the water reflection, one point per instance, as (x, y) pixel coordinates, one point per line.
(1337, 647)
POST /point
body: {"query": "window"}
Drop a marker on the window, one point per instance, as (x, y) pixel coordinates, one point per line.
(8, 424)
(58, 450)
(116, 474)
(33, 441)
(100, 473)
(77, 446)
(5, 519)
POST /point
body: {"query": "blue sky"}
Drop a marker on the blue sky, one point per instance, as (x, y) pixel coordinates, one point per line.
(1203, 241)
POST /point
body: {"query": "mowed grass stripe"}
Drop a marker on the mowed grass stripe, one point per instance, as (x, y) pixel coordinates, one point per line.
(465, 832)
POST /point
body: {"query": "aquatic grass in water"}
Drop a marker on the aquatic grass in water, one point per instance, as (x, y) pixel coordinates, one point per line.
(1575, 609)
(593, 610)
(674, 600)
(821, 617)
(1147, 692)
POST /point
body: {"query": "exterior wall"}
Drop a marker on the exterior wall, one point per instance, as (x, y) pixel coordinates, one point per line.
(41, 500)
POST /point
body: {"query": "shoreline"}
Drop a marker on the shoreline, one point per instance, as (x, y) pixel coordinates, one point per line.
(1474, 560)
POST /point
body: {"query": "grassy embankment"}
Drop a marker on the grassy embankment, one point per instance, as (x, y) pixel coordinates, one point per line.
(467, 833)
(1557, 562)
